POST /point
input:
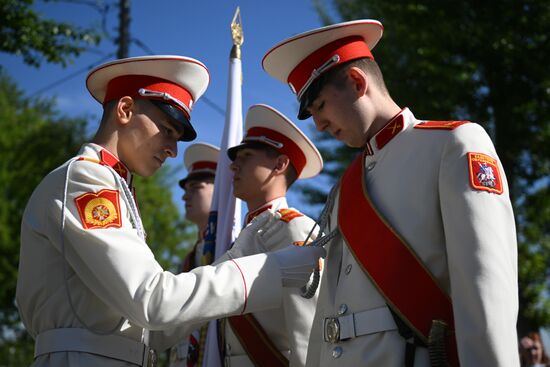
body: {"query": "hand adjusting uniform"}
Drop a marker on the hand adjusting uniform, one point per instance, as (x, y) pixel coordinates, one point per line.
(113, 280)
(89, 289)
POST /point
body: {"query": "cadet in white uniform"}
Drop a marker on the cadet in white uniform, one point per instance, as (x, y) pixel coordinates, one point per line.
(200, 160)
(422, 219)
(273, 154)
(89, 289)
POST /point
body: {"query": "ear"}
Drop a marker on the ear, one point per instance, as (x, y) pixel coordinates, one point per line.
(125, 109)
(282, 164)
(359, 80)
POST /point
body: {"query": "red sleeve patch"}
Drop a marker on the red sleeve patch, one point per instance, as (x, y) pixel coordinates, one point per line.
(289, 214)
(440, 125)
(484, 173)
(99, 210)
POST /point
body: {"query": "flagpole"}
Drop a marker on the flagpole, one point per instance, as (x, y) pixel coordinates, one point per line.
(224, 222)
(229, 222)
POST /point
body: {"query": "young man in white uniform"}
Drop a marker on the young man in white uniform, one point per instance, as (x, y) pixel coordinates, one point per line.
(273, 154)
(424, 263)
(89, 289)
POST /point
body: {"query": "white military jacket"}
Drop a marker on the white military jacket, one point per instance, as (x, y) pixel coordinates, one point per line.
(111, 274)
(288, 326)
(419, 181)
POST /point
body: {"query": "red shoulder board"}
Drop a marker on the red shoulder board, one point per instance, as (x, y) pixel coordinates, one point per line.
(440, 125)
(289, 214)
(99, 210)
(484, 173)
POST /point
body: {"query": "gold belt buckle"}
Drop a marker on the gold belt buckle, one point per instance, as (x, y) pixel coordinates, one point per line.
(332, 330)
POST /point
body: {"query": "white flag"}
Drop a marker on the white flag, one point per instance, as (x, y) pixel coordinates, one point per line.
(225, 212)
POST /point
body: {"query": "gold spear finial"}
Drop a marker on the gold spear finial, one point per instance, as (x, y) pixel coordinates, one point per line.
(237, 34)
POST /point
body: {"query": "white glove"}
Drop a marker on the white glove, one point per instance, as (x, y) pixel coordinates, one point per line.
(297, 263)
(273, 233)
(252, 238)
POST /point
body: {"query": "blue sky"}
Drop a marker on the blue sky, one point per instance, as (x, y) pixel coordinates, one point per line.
(198, 29)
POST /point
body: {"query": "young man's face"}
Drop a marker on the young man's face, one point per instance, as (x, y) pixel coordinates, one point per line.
(198, 197)
(252, 173)
(148, 139)
(339, 111)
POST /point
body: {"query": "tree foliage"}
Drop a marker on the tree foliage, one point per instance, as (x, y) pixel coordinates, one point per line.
(34, 139)
(485, 62)
(25, 33)
(168, 235)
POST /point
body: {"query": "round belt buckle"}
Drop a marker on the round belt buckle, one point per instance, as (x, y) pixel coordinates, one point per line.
(332, 330)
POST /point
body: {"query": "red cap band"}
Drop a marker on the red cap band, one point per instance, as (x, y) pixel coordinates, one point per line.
(290, 148)
(348, 48)
(203, 165)
(129, 85)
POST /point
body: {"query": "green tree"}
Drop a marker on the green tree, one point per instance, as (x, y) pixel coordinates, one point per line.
(485, 62)
(168, 234)
(34, 139)
(24, 32)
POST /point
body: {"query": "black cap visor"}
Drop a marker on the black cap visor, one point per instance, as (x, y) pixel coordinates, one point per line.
(176, 114)
(308, 97)
(232, 152)
(197, 176)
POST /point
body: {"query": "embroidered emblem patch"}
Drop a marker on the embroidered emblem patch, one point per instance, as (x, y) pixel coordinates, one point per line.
(109, 160)
(288, 214)
(440, 125)
(99, 210)
(484, 173)
(389, 132)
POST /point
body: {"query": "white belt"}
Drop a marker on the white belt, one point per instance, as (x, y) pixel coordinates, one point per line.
(82, 340)
(358, 324)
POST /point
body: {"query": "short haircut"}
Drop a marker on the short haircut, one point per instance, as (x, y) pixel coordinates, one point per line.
(337, 77)
(108, 109)
(291, 175)
(198, 176)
